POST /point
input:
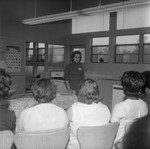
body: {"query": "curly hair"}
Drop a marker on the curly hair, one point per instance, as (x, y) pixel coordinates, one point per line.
(5, 82)
(89, 92)
(73, 55)
(133, 83)
(44, 90)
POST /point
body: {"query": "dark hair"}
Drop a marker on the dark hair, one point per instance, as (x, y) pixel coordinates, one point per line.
(43, 90)
(147, 78)
(138, 136)
(74, 53)
(133, 83)
(89, 92)
(5, 82)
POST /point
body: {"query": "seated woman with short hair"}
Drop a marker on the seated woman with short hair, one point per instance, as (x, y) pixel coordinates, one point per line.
(88, 111)
(44, 115)
(132, 107)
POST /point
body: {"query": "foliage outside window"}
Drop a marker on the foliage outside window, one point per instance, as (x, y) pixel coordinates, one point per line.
(146, 49)
(100, 50)
(127, 49)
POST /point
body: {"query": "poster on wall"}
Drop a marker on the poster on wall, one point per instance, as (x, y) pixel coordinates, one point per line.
(13, 58)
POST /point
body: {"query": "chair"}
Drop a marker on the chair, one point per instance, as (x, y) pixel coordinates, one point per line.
(97, 137)
(6, 139)
(129, 124)
(56, 139)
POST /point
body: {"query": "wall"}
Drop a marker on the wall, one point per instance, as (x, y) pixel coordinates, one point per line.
(109, 74)
(12, 29)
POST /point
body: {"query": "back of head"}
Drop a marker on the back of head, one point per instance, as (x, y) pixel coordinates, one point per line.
(138, 136)
(44, 90)
(5, 82)
(89, 92)
(147, 78)
(133, 83)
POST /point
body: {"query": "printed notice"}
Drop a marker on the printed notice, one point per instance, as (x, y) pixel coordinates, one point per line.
(13, 59)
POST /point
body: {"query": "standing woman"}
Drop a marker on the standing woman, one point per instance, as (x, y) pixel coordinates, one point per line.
(74, 72)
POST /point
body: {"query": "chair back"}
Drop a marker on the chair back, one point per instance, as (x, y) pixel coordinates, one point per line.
(6, 139)
(56, 139)
(97, 137)
(128, 125)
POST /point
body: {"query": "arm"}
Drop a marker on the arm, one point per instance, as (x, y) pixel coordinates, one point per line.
(20, 122)
(67, 76)
(69, 114)
(118, 113)
(67, 84)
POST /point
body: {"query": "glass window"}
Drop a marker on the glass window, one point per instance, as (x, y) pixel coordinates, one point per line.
(146, 49)
(41, 52)
(127, 49)
(100, 50)
(29, 51)
(55, 55)
(29, 77)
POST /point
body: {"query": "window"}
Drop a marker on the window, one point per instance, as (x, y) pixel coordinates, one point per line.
(55, 55)
(29, 51)
(41, 52)
(127, 49)
(100, 50)
(146, 49)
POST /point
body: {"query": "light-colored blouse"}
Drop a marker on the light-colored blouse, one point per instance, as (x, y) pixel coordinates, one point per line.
(86, 115)
(42, 117)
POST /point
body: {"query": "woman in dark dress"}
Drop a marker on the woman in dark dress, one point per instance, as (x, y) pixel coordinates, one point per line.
(74, 72)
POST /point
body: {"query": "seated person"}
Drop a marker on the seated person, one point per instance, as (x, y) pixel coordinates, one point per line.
(87, 111)
(132, 107)
(146, 89)
(44, 115)
(138, 136)
(7, 118)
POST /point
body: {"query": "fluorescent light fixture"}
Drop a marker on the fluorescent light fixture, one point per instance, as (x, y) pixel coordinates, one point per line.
(84, 12)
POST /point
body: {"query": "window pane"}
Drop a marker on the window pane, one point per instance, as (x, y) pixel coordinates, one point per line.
(146, 59)
(41, 45)
(58, 59)
(119, 58)
(131, 39)
(58, 51)
(147, 38)
(126, 58)
(55, 55)
(29, 54)
(102, 58)
(39, 70)
(94, 58)
(29, 44)
(100, 41)
(41, 51)
(29, 76)
(146, 49)
(134, 58)
(100, 50)
(127, 49)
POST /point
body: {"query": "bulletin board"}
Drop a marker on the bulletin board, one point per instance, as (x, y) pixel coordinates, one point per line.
(13, 58)
(12, 53)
